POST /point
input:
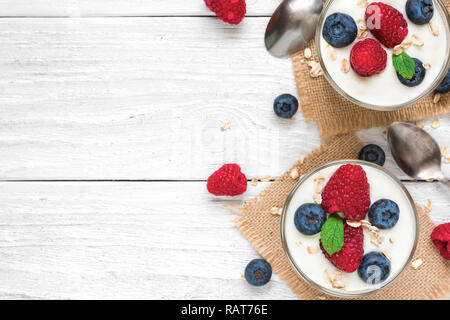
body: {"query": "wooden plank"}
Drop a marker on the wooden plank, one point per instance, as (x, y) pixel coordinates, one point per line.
(136, 98)
(157, 240)
(75, 8)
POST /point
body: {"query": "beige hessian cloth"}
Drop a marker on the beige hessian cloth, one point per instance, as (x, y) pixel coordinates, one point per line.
(333, 114)
(262, 229)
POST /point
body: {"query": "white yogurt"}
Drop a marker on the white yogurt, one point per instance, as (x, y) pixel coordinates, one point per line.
(314, 265)
(384, 89)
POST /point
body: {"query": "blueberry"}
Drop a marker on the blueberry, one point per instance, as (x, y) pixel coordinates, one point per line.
(384, 214)
(309, 218)
(372, 153)
(418, 76)
(374, 268)
(285, 106)
(419, 11)
(339, 30)
(258, 272)
(444, 87)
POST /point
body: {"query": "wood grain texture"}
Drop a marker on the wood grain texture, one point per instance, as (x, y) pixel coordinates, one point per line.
(135, 98)
(133, 240)
(74, 8)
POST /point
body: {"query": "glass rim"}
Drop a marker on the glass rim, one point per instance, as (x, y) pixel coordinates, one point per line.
(298, 270)
(445, 16)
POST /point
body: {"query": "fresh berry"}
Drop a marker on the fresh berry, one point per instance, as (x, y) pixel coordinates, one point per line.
(384, 214)
(441, 239)
(372, 153)
(349, 257)
(227, 181)
(258, 272)
(375, 268)
(419, 11)
(230, 11)
(347, 191)
(386, 24)
(309, 218)
(285, 106)
(368, 58)
(418, 76)
(444, 86)
(339, 30)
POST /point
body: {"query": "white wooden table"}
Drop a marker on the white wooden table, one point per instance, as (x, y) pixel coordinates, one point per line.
(110, 115)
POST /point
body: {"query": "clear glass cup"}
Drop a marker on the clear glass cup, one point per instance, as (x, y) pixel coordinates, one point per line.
(296, 266)
(439, 9)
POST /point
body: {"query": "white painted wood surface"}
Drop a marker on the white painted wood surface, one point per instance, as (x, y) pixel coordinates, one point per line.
(93, 100)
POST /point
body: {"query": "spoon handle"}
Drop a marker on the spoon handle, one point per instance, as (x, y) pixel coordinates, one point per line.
(445, 182)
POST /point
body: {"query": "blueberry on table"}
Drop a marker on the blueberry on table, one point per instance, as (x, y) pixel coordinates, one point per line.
(372, 153)
(374, 268)
(258, 272)
(384, 214)
(444, 86)
(339, 30)
(420, 11)
(418, 76)
(285, 106)
(309, 218)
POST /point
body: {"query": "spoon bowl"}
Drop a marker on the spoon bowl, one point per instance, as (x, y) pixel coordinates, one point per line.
(292, 26)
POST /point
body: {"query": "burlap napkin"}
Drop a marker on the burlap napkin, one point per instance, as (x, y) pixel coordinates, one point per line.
(333, 114)
(262, 229)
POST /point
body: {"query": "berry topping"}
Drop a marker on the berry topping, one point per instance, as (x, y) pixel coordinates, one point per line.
(349, 257)
(309, 218)
(386, 24)
(285, 106)
(444, 86)
(368, 58)
(372, 153)
(441, 239)
(339, 30)
(230, 11)
(418, 76)
(419, 11)
(375, 268)
(258, 272)
(227, 181)
(347, 191)
(384, 214)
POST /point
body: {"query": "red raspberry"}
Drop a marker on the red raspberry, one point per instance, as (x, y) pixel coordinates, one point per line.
(227, 181)
(349, 257)
(441, 239)
(230, 11)
(386, 24)
(347, 191)
(368, 58)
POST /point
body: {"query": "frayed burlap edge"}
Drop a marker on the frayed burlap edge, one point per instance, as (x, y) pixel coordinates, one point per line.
(262, 229)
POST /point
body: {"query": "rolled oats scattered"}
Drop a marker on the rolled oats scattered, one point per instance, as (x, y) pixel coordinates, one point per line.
(429, 180)
(302, 159)
(387, 255)
(416, 41)
(362, 3)
(437, 97)
(322, 298)
(354, 223)
(345, 66)
(316, 70)
(335, 279)
(436, 124)
(416, 263)
(319, 183)
(294, 173)
(330, 52)
(420, 124)
(265, 178)
(317, 198)
(384, 133)
(434, 30)
(428, 205)
(226, 125)
(254, 181)
(298, 243)
(307, 53)
(362, 34)
(426, 65)
(359, 20)
(312, 249)
(444, 151)
(447, 159)
(391, 240)
(276, 211)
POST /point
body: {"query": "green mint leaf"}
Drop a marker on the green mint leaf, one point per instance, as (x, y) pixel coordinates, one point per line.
(332, 234)
(404, 65)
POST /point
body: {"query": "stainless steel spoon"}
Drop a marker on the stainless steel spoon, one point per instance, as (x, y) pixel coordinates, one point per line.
(415, 152)
(292, 26)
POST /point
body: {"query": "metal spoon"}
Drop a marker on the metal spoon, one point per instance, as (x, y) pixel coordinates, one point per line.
(292, 26)
(415, 152)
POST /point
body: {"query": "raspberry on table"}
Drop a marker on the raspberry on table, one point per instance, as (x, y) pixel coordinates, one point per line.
(227, 181)
(230, 11)
(386, 23)
(441, 239)
(349, 257)
(347, 191)
(368, 58)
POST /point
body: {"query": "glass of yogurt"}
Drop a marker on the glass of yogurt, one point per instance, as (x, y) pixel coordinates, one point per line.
(398, 243)
(383, 91)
